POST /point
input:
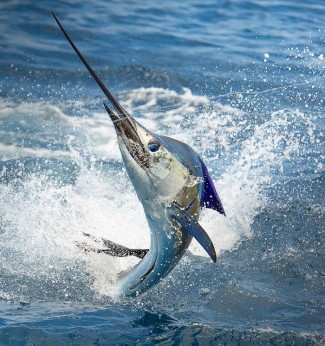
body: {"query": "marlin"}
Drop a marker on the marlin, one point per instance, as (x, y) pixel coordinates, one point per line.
(172, 183)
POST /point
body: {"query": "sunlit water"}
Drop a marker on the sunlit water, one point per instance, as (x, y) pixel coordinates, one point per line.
(243, 84)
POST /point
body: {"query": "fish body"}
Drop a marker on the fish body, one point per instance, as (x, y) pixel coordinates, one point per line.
(169, 241)
(171, 182)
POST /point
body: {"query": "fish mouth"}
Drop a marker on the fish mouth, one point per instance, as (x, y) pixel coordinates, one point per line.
(125, 125)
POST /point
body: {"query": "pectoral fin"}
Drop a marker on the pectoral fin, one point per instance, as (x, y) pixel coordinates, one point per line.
(190, 225)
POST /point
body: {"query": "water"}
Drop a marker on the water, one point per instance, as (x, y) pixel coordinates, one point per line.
(242, 83)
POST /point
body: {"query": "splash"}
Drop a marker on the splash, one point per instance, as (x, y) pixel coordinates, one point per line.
(66, 178)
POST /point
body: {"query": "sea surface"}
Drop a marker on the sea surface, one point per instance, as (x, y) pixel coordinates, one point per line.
(243, 83)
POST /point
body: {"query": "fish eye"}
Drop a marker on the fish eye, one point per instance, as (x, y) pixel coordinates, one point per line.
(153, 146)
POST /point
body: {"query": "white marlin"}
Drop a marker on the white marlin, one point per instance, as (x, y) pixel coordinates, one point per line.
(171, 182)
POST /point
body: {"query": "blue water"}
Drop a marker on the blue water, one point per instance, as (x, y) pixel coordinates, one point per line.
(243, 83)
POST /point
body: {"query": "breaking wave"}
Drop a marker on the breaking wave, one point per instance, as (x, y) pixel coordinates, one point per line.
(61, 176)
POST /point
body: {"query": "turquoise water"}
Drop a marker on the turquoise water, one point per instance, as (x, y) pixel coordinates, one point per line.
(243, 84)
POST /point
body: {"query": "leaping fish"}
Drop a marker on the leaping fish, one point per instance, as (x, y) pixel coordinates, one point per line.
(173, 185)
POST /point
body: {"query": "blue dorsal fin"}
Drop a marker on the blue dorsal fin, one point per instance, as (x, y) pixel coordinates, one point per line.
(210, 196)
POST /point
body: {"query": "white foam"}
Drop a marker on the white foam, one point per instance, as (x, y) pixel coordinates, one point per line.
(42, 221)
(11, 152)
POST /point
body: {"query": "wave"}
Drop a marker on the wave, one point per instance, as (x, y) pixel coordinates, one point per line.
(62, 175)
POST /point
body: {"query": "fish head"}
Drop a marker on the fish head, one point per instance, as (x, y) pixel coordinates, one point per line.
(154, 167)
(156, 172)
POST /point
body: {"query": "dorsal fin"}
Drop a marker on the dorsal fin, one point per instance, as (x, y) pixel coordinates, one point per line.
(210, 196)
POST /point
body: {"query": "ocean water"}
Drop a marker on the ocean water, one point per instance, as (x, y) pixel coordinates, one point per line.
(243, 83)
